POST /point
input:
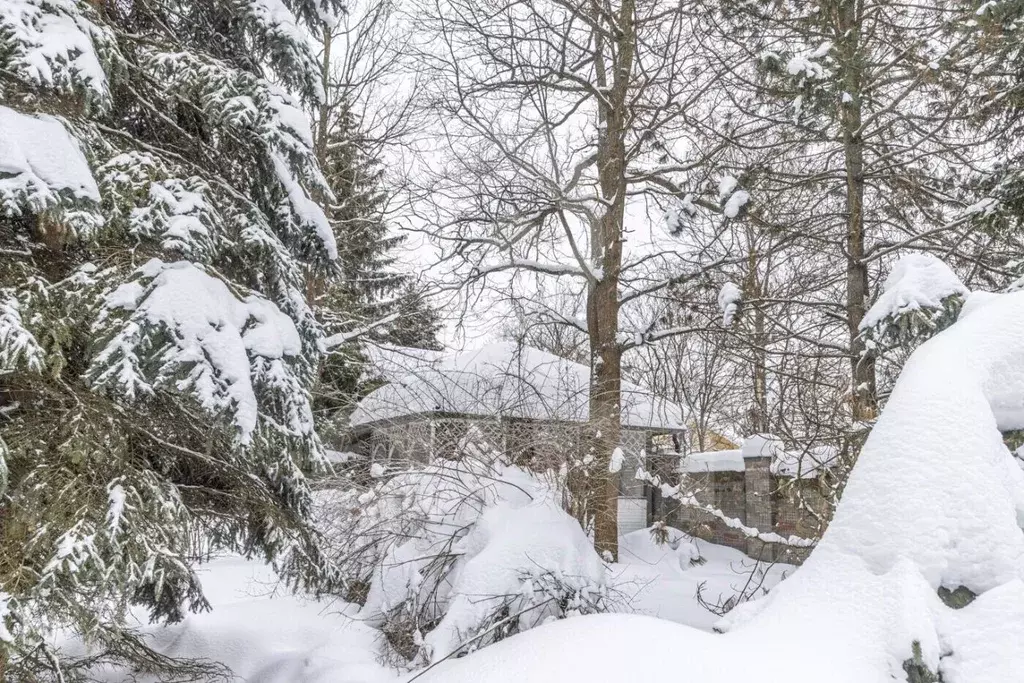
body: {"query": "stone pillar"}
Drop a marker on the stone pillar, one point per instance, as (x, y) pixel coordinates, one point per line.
(758, 451)
(758, 494)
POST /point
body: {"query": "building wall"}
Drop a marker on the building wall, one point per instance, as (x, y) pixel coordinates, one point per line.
(758, 499)
(801, 508)
(724, 491)
(533, 444)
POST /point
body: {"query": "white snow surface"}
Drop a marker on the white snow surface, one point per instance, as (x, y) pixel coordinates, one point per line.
(662, 580)
(507, 549)
(805, 464)
(214, 332)
(935, 499)
(507, 380)
(39, 159)
(266, 635)
(805, 62)
(617, 459)
(713, 461)
(917, 281)
(726, 186)
(737, 200)
(307, 210)
(762, 446)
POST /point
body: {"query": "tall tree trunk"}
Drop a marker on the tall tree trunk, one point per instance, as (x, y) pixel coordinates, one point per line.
(752, 291)
(606, 254)
(862, 365)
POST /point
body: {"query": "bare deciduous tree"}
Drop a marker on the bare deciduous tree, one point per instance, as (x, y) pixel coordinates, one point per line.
(569, 128)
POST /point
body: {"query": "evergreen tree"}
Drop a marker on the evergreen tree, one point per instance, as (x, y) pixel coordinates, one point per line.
(157, 350)
(371, 302)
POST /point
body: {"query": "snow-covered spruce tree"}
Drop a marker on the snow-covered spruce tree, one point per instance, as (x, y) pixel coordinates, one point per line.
(921, 297)
(156, 346)
(372, 301)
(996, 32)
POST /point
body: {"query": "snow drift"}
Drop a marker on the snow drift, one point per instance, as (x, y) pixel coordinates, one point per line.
(933, 509)
(459, 554)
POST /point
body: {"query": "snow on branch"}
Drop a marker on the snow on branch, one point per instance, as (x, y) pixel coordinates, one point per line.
(691, 501)
(920, 296)
(41, 165)
(52, 44)
(178, 328)
(290, 49)
(729, 301)
(342, 338)
(17, 345)
(251, 108)
(556, 269)
(731, 197)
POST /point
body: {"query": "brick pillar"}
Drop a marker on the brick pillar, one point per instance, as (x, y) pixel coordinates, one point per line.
(758, 494)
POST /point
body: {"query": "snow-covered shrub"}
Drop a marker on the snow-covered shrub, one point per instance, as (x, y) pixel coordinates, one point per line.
(920, 297)
(461, 553)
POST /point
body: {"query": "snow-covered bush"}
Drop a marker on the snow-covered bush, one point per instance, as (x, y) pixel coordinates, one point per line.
(461, 553)
(920, 297)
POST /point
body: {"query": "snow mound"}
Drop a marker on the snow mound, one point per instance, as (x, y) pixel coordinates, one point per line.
(264, 637)
(507, 380)
(458, 548)
(934, 504)
(513, 550)
(678, 549)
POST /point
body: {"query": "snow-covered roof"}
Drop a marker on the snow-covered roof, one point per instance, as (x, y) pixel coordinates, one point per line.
(713, 461)
(804, 464)
(505, 380)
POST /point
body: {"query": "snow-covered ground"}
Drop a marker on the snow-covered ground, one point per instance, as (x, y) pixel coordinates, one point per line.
(267, 635)
(933, 506)
(659, 581)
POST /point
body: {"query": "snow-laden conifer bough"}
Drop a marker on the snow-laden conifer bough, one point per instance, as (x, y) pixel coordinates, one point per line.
(157, 229)
(918, 578)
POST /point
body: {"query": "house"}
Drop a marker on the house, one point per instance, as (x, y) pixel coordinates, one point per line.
(762, 486)
(528, 404)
